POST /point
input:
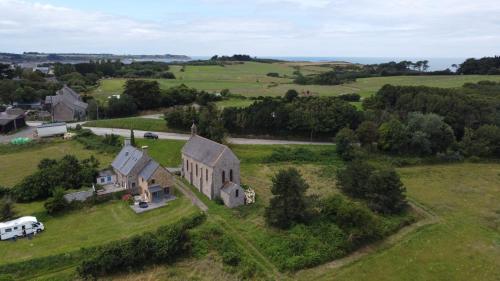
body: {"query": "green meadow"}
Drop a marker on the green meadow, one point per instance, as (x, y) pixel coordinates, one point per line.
(250, 79)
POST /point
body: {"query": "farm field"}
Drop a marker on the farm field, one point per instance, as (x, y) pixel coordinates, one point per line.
(14, 166)
(250, 79)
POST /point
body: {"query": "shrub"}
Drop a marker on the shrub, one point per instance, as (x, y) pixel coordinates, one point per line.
(6, 208)
(57, 203)
(163, 245)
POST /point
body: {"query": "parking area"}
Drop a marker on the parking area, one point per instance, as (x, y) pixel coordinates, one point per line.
(153, 205)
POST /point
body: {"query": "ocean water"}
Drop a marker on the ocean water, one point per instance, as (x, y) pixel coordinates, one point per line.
(434, 63)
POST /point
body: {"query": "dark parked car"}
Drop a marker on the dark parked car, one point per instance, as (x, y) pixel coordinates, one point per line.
(150, 135)
(143, 205)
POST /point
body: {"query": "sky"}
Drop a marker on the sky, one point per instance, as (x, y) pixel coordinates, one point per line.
(319, 28)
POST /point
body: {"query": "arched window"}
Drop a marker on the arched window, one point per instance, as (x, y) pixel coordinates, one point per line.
(231, 175)
(237, 193)
(223, 176)
(206, 174)
(196, 169)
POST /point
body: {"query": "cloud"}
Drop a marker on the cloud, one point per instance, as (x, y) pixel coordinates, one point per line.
(261, 27)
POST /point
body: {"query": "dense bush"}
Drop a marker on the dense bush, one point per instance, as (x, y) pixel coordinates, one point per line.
(68, 172)
(162, 246)
(6, 208)
(57, 203)
(350, 97)
(108, 143)
(382, 189)
(346, 141)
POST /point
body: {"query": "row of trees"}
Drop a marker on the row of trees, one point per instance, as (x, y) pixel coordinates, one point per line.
(486, 65)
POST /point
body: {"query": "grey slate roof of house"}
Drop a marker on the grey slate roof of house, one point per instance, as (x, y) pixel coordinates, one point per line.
(126, 160)
(67, 96)
(106, 173)
(149, 170)
(228, 186)
(204, 150)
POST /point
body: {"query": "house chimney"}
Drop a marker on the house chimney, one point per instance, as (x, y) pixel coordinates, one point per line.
(145, 149)
(127, 142)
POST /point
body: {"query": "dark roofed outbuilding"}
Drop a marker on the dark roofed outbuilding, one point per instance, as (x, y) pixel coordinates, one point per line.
(11, 122)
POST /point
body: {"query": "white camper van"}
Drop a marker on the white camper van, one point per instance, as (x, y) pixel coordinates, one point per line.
(20, 228)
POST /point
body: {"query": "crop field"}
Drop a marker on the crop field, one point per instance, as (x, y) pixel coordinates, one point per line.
(250, 79)
(14, 166)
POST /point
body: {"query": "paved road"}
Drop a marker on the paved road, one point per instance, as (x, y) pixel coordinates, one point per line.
(184, 137)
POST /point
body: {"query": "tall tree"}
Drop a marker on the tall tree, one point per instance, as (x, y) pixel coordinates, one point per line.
(289, 203)
(346, 141)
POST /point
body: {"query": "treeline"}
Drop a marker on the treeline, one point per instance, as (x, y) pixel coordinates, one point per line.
(240, 58)
(424, 121)
(33, 88)
(311, 117)
(82, 75)
(486, 65)
(145, 95)
(349, 73)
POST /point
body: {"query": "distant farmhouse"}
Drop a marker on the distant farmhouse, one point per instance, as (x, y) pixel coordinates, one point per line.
(66, 105)
(133, 169)
(213, 169)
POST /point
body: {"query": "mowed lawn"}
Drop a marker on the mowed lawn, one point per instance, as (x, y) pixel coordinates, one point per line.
(89, 227)
(250, 79)
(17, 165)
(463, 245)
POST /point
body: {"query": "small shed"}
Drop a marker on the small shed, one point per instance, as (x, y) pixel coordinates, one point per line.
(51, 130)
(11, 122)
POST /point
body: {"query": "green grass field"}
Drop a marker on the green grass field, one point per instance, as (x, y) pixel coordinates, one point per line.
(136, 123)
(88, 227)
(250, 79)
(463, 245)
(16, 165)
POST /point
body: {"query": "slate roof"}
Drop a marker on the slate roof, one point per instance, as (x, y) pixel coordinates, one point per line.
(67, 96)
(126, 160)
(6, 118)
(106, 173)
(229, 186)
(148, 171)
(204, 150)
